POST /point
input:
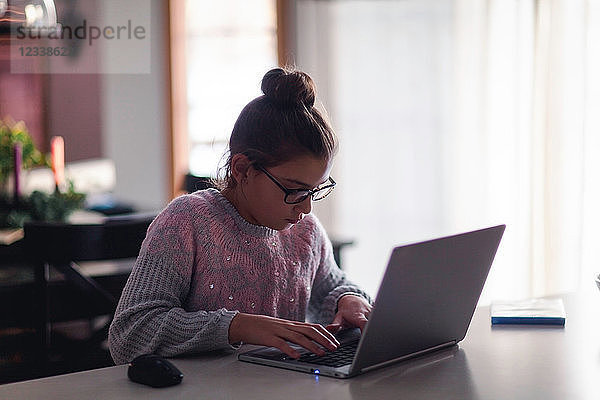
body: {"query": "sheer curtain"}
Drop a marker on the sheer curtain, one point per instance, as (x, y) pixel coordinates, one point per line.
(459, 114)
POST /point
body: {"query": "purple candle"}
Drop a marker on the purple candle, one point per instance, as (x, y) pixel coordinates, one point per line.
(18, 158)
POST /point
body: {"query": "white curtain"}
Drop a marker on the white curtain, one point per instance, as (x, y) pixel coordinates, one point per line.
(455, 115)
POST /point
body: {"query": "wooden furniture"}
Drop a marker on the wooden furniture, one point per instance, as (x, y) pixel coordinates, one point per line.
(511, 362)
(192, 182)
(60, 246)
(338, 246)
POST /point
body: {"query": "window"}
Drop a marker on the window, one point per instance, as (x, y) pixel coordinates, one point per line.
(229, 45)
(462, 115)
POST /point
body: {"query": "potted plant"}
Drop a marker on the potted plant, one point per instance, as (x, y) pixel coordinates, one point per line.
(12, 132)
(39, 206)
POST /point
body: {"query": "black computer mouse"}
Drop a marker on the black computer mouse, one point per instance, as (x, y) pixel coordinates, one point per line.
(153, 370)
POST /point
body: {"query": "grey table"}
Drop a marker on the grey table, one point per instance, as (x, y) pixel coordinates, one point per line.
(491, 363)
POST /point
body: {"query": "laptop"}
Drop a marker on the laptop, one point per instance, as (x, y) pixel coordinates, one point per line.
(425, 303)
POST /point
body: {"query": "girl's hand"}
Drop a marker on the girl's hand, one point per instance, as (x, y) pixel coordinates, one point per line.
(353, 311)
(276, 332)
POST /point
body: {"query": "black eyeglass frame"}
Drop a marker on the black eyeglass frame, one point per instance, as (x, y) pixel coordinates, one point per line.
(309, 192)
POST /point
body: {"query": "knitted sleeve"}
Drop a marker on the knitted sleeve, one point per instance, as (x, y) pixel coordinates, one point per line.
(149, 317)
(330, 283)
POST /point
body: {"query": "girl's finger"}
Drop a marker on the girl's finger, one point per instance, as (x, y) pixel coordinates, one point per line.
(300, 339)
(325, 338)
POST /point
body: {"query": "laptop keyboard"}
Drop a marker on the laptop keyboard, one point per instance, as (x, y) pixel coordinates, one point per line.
(343, 355)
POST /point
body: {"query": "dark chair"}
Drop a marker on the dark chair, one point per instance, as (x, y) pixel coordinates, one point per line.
(191, 183)
(59, 246)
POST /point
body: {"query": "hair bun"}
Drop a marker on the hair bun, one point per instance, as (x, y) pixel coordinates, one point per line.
(288, 88)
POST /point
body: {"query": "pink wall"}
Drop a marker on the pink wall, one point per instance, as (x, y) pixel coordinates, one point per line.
(74, 99)
(21, 97)
(62, 104)
(74, 113)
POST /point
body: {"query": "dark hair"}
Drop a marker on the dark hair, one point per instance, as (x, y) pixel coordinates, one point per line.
(281, 124)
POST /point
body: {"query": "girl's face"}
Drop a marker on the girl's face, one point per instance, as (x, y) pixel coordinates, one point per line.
(262, 202)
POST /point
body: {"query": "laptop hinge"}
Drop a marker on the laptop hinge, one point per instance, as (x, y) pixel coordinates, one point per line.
(412, 355)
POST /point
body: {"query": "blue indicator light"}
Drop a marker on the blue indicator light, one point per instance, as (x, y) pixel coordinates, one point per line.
(317, 371)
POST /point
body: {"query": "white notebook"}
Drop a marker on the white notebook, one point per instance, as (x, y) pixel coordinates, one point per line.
(530, 311)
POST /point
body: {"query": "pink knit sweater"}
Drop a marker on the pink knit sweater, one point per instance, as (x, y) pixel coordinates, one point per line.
(202, 262)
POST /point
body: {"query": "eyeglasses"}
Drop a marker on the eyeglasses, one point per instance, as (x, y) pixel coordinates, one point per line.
(295, 196)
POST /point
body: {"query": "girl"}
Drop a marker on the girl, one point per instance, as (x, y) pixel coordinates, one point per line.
(248, 263)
